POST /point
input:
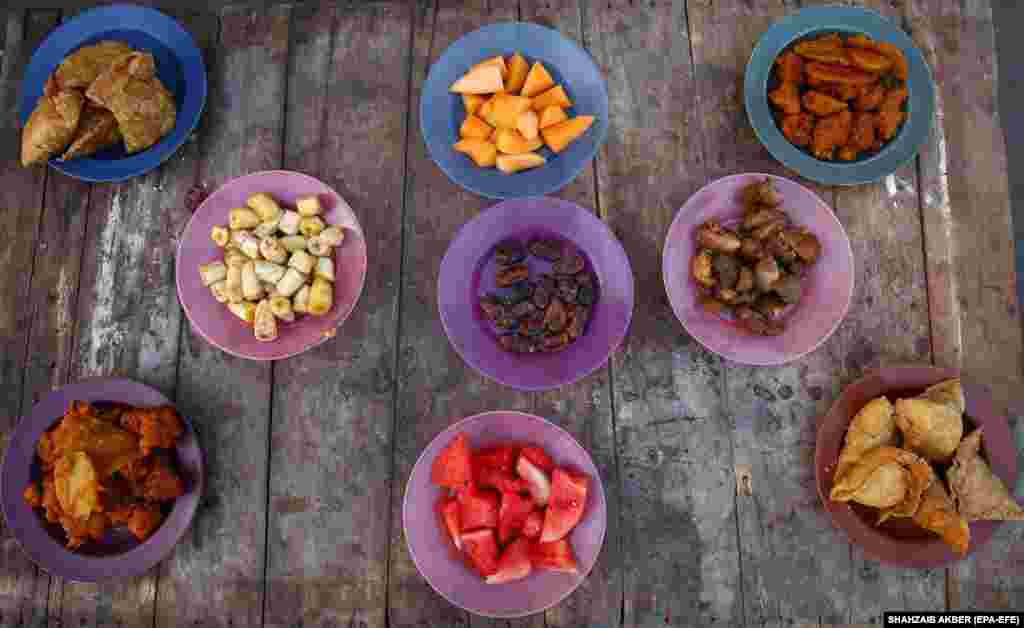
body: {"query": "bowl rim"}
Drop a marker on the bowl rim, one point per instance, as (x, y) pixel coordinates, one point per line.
(675, 300)
(453, 429)
(898, 152)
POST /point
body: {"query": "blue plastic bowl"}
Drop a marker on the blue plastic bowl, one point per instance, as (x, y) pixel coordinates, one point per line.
(179, 65)
(441, 112)
(844, 20)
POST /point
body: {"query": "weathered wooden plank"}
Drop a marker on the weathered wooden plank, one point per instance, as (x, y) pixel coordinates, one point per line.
(680, 558)
(333, 407)
(435, 387)
(970, 253)
(215, 576)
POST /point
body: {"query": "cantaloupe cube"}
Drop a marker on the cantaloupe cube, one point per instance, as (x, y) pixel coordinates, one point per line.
(472, 102)
(480, 151)
(485, 79)
(538, 80)
(506, 109)
(511, 142)
(558, 136)
(554, 96)
(473, 126)
(514, 163)
(528, 124)
(552, 115)
(517, 69)
(484, 112)
(498, 62)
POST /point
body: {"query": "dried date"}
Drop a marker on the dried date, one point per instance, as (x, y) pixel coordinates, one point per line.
(512, 275)
(545, 248)
(570, 263)
(555, 316)
(509, 252)
(544, 290)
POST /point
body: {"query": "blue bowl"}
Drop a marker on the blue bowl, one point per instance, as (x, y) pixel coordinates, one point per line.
(179, 65)
(844, 20)
(441, 112)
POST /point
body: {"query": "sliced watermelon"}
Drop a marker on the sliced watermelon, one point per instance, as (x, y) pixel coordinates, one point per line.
(539, 457)
(555, 556)
(482, 549)
(534, 524)
(568, 498)
(537, 481)
(453, 468)
(514, 563)
(448, 510)
(502, 457)
(478, 508)
(500, 479)
(514, 511)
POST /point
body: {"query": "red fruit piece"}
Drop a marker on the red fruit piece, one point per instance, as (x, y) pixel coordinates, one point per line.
(539, 457)
(478, 508)
(514, 511)
(555, 556)
(503, 458)
(453, 467)
(448, 510)
(568, 498)
(533, 524)
(482, 549)
(537, 481)
(514, 563)
(499, 479)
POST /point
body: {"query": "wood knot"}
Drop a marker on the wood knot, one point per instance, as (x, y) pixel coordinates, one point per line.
(744, 480)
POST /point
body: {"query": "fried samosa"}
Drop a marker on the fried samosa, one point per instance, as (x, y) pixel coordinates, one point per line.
(932, 423)
(140, 65)
(978, 493)
(144, 108)
(97, 130)
(888, 478)
(872, 427)
(51, 126)
(109, 447)
(938, 514)
(79, 69)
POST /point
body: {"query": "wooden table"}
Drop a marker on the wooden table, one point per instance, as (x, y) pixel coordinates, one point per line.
(714, 519)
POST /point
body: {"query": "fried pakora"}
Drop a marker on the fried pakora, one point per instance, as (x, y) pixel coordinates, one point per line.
(798, 128)
(830, 133)
(786, 97)
(157, 428)
(822, 104)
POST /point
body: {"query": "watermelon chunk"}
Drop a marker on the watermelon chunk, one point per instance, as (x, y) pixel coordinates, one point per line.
(502, 457)
(538, 457)
(500, 479)
(453, 466)
(555, 556)
(482, 549)
(536, 480)
(534, 524)
(478, 508)
(514, 511)
(448, 510)
(514, 563)
(565, 509)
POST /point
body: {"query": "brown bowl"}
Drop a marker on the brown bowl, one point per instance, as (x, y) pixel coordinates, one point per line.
(899, 541)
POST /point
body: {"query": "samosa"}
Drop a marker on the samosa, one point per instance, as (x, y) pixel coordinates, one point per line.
(978, 493)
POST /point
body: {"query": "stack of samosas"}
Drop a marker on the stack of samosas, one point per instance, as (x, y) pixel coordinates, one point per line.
(99, 96)
(840, 99)
(898, 478)
(107, 467)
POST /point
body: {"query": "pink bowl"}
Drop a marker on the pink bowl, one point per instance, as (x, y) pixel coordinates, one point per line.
(827, 290)
(434, 555)
(214, 321)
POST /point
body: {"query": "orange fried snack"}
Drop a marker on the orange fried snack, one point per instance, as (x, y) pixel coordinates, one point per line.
(51, 126)
(830, 133)
(158, 427)
(899, 62)
(144, 520)
(789, 68)
(79, 69)
(870, 97)
(798, 128)
(32, 495)
(97, 130)
(162, 484)
(77, 484)
(822, 104)
(843, 92)
(862, 135)
(890, 114)
(786, 97)
(869, 60)
(831, 73)
(109, 447)
(827, 49)
(847, 153)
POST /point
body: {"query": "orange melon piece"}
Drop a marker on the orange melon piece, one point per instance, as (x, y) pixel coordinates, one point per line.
(554, 96)
(528, 124)
(514, 163)
(537, 80)
(517, 70)
(472, 102)
(512, 142)
(498, 62)
(506, 109)
(480, 151)
(484, 112)
(473, 126)
(485, 79)
(552, 115)
(558, 136)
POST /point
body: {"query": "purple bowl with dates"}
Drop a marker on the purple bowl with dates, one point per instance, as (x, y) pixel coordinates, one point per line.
(468, 271)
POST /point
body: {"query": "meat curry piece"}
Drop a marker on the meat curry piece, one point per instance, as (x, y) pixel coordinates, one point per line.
(157, 428)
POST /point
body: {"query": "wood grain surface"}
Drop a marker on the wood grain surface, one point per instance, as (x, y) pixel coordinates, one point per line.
(714, 517)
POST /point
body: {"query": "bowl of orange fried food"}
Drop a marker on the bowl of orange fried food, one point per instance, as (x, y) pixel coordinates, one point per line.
(839, 94)
(101, 479)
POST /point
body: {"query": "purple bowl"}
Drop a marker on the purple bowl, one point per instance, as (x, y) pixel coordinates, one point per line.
(467, 272)
(433, 553)
(827, 290)
(214, 321)
(118, 554)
